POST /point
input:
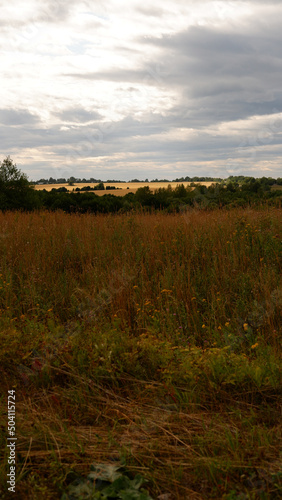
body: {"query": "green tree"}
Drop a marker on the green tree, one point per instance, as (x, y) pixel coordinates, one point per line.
(71, 181)
(15, 189)
(99, 187)
(144, 196)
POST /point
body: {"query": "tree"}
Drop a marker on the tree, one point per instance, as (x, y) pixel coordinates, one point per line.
(10, 175)
(144, 196)
(15, 189)
(99, 187)
(71, 181)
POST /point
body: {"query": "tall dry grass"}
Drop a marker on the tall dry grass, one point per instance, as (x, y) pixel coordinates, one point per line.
(172, 274)
(151, 337)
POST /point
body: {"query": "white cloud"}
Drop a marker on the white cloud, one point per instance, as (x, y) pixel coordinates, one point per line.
(141, 89)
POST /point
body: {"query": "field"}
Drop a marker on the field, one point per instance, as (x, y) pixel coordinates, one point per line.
(124, 187)
(147, 341)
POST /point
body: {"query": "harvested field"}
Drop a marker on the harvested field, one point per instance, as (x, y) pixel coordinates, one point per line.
(124, 187)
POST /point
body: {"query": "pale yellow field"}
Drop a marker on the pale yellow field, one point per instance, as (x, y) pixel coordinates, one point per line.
(126, 187)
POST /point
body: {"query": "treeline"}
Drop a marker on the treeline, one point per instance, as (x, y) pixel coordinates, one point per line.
(166, 199)
(76, 180)
(98, 187)
(16, 193)
(70, 181)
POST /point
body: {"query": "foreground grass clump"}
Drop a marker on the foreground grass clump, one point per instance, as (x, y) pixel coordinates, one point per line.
(148, 340)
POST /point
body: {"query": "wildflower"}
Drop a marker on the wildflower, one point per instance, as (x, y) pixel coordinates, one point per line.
(219, 327)
(193, 298)
(245, 326)
(203, 326)
(254, 346)
(227, 323)
(135, 286)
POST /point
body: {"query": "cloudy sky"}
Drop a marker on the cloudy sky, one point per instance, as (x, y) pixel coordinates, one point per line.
(140, 89)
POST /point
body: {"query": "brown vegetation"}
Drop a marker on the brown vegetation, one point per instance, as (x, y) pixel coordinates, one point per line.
(153, 339)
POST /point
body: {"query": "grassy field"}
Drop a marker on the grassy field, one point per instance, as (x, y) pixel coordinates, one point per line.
(149, 341)
(123, 187)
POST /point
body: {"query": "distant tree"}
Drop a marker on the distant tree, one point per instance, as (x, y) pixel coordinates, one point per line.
(99, 187)
(71, 181)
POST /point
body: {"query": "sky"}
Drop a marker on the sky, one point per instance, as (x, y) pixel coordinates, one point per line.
(119, 89)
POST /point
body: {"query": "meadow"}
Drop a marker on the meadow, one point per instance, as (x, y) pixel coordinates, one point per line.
(148, 341)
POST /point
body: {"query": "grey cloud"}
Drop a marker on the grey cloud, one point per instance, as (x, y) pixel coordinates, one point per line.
(148, 140)
(78, 115)
(17, 117)
(133, 76)
(225, 75)
(151, 11)
(239, 73)
(198, 40)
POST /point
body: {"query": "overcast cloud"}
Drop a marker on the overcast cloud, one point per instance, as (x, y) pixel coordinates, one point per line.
(125, 90)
